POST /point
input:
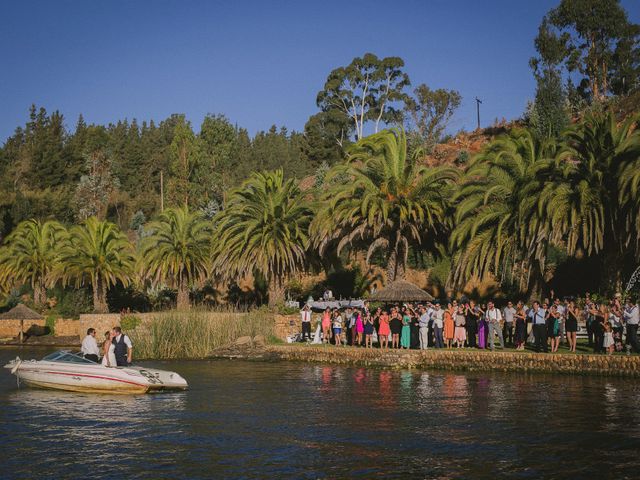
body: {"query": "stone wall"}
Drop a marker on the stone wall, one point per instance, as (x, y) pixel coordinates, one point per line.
(100, 321)
(68, 328)
(285, 325)
(468, 360)
(11, 328)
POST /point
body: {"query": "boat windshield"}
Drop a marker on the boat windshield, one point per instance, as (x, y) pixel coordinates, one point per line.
(66, 357)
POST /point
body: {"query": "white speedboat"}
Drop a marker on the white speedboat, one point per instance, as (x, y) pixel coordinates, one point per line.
(65, 370)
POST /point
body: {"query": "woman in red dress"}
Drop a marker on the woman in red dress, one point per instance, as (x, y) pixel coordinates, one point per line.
(449, 326)
(384, 330)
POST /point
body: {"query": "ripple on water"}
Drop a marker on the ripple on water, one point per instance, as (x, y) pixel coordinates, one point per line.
(252, 420)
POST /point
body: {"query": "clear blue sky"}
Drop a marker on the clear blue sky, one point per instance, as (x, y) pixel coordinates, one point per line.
(259, 63)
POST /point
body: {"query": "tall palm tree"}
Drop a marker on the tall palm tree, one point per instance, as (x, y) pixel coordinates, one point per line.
(29, 255)
(629, 179)
(177, 251)
(591, 195)
(96, 253)
(497, 216)
(382, 196)
(263, 228)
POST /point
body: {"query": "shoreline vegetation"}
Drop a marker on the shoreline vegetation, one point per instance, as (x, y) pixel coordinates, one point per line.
(195, 334)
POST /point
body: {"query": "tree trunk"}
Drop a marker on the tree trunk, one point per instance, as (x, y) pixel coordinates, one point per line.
(536, 282)
(100, 296)
(276, 292)
(395, 267)
(182, 300)
(614, 263)
(39, 293)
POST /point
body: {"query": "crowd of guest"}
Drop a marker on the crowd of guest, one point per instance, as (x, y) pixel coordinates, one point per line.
(610, 326)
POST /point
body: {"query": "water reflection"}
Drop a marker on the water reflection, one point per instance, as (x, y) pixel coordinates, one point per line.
(92, 408)
(455, 396)
(253, 420)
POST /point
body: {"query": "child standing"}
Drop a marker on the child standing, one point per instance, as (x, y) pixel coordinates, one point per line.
(337, 327)
(608, 342)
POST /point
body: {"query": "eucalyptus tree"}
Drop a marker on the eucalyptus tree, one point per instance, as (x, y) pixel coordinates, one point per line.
(593, 38)
(29, 255)
(429, 112)
(497, 220)
(96, 186)
(263, 228)
(95, 253)
(383, 197)
(368, 89)
(177, 251)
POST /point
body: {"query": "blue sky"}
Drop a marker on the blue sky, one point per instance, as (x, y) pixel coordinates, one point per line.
(259, 63)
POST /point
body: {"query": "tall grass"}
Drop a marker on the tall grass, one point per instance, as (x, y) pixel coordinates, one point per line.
(195, 334)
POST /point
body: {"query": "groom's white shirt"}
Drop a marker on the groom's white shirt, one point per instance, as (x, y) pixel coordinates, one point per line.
(90, 346)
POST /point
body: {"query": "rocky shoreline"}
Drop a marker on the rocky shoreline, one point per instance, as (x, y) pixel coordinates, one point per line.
(247, 348)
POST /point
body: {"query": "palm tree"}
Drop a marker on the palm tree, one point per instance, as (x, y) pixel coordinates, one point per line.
(96, 253)
(177, 251)
(591, 195)
(29, 255)
(629, 179)
(263, 228)
(382, 196)
(497, 217)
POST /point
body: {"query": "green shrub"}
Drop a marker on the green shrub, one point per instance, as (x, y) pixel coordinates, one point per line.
(50, 322)
(74, 302)
(129, 322)
(462, 158)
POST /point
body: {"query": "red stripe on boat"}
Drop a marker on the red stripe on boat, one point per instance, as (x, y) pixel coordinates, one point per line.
(98, 376)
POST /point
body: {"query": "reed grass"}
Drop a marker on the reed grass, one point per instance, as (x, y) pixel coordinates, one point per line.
(195, 334)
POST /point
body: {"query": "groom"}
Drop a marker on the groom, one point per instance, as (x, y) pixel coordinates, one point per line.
(123, 348)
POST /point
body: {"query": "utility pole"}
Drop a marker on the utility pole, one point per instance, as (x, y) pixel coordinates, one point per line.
(161, 191)
(478, 102)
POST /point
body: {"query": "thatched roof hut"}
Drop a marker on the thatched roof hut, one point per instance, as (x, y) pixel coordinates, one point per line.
(401, 291)
(21, 312)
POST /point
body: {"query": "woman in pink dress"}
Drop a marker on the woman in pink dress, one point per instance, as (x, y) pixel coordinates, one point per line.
(326, 326)
(359, 329)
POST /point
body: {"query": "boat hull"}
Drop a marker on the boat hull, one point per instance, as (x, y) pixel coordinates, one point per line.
(82, 388)
(95, 378)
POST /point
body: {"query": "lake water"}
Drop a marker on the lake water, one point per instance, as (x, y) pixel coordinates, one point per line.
(289, 420)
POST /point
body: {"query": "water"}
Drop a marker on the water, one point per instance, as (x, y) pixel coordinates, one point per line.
(286, 420)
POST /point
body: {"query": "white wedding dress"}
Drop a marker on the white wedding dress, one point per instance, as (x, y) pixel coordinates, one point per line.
(112, 357)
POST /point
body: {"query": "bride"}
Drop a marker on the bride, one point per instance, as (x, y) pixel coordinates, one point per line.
(108, 350)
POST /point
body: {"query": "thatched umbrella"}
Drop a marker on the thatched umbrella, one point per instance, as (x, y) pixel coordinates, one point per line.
(21, 312)
(401, 291)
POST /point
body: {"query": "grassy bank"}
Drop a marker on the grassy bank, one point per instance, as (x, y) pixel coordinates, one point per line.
(195, 334)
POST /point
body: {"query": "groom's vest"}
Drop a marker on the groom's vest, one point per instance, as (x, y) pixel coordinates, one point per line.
(121, 347)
